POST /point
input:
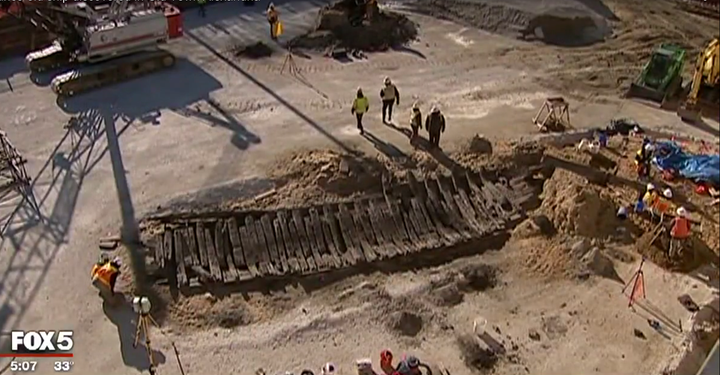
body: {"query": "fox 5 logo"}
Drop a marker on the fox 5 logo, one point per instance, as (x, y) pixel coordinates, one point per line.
(41, 341)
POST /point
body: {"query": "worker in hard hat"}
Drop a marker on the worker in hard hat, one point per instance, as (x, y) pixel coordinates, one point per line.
(680, 232)
(390, 96)
(435, 125)
(104, 275)
(273, 18)
(643, 157)
(410, 365)
(360, 106)
(386, 362)
(201, 7)
(415, 123)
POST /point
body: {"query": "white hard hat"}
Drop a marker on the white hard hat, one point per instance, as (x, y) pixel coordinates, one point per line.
(415, 106)
(650, 186)
(667, 193)
(649, 147)
(435, 110)
(682, 212)
(387, 80)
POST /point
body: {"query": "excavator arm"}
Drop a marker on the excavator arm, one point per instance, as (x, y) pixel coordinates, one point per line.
(706, 78)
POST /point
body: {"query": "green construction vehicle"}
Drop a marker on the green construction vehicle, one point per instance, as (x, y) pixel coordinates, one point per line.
(661, 78)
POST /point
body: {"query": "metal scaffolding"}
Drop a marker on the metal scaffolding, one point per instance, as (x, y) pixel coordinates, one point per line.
(14, 182)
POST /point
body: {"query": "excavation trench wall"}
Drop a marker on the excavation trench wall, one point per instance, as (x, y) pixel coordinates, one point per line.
(420, 223)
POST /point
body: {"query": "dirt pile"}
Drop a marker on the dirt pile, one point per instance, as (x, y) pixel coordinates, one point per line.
(559, 26)
(475, 355)
(341, 25)
(258, 50)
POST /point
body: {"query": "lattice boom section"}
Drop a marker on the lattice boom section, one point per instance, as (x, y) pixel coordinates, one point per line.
(439, 213)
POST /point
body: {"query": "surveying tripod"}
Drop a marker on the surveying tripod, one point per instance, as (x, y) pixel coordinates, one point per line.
(143, 327)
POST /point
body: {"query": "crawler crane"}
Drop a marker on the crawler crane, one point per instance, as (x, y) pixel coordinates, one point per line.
(102, 45)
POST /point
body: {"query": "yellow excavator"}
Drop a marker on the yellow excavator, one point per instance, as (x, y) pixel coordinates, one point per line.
(703, 93)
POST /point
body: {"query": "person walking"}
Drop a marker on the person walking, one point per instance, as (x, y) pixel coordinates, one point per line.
(390, 96)
(201, 5)
(435, 125)
(359, 108)
(415, 123)
(273, 18)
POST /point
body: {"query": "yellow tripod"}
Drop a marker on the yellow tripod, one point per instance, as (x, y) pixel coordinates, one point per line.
(143, 327)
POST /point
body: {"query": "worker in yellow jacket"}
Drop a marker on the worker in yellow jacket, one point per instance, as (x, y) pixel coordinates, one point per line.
(359, 108)
(273, 17)
(104, 275)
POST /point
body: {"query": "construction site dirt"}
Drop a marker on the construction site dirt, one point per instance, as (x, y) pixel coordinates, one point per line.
(499, 252)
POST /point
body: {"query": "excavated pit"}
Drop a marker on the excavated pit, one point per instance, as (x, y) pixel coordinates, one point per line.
(562, 26)
(337, 28)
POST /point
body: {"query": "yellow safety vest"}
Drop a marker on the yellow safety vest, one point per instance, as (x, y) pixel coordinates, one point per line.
(104, 273)
(388, 92)
(360, 105)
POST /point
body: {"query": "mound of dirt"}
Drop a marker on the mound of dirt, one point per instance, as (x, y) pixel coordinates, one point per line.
(405, 323)
(474, 354)
(575, 207)
(258, 50)
(477, 277)
(478, 145)
(564, 26)
(341, 26)
(446, 296)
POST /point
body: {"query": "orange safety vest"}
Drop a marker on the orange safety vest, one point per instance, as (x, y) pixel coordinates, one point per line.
(103, 273)
(661, 206)
(681, 228)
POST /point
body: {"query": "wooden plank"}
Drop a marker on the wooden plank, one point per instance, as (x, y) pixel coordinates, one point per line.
(292, 245)
(449, 204)
(189, 234)
(393, 233)
(212, 256)
(202, 249)
(462, 199)
(431, 236)
(322, 240)
(415, 243)
(401, 231)
(363, 236)
(220, 245)
(478, 199)
(282, 253)
(231, 273)
(376, 227)
(304, 240)
(248, 250)
(332, 233)
(386, 226)
(272, 244)
(243, 273)
(263, 251)
(255, 252)
(159, 251)
(307, 263)
(409, 210)
(168, 248)
(314, 244)
(353, 253)
(180, 257)
(442, 224)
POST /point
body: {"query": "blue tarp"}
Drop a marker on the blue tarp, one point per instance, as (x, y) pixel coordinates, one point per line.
(700, 168)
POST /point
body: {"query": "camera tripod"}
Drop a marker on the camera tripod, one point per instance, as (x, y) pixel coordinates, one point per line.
(143, 327)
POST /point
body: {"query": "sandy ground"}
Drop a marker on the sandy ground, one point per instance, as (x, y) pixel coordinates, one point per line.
(210, 122)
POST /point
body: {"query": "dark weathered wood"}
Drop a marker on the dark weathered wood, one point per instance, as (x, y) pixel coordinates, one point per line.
(401, 231)
(481, 207)
(353, 253)
(248, 246)
(442, 224)
(212, 256)
(323, 249)
(202, 247)
(282, 253)
(264, 254)
(236, 243)
(202, 274)
(415, 225)
(307, 264)
(272, 244)
(365, 244)
(470, 214)
(449, 205)
(292, 245)
(332, 233)
(393, 233)
(386, 227)
(415, 243)
(362, 214)
(168, 247)
(180, 257)
(159, 251)
(192, 251)
(304, 240)
(314, 244)
(431, 236)
(377, 229)
(220, 243)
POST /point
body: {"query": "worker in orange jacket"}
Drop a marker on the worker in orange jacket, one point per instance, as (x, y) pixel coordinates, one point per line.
(104, 275)
(680, 232)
